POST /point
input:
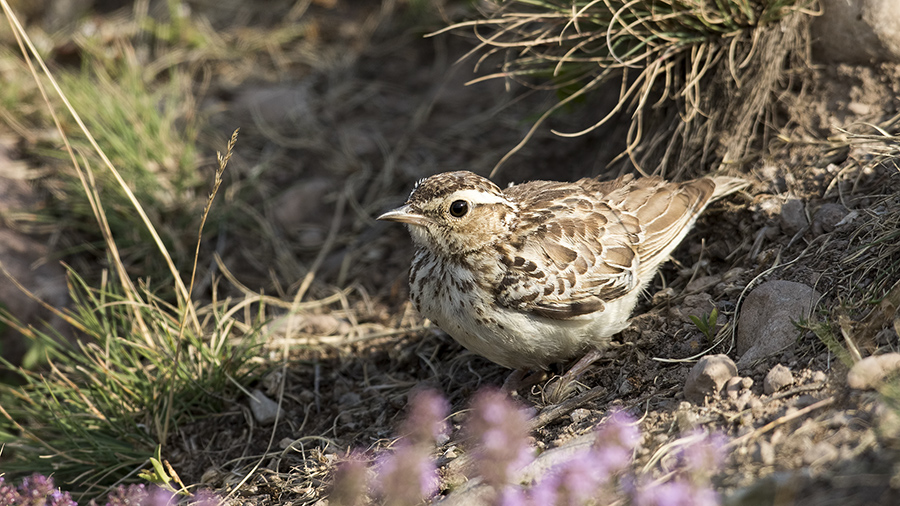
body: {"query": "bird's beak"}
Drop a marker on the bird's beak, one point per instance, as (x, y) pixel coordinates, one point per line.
(405, 214)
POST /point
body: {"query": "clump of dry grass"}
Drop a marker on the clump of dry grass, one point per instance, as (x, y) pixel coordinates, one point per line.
(863, 276)
(718, 64)
(871, 268)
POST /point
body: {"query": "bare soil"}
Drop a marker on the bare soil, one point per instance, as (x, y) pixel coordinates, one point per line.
(343, 396)
(350, 137)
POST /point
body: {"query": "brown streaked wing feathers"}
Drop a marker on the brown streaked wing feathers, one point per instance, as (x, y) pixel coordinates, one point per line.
(577, 273)
(664, 216)
(637, 221)
(568, 310)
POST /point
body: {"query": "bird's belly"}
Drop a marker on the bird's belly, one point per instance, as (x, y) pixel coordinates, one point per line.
(511, 338)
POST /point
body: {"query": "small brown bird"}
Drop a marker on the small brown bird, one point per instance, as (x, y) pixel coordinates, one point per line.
(545, 271)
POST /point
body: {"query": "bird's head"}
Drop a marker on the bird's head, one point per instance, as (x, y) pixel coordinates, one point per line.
(455, 213)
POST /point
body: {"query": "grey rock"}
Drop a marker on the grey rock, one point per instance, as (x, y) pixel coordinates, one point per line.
(625, 388)
(870, 372)
(734, 275)
(819, 376)
(698, 305)
(827, 218)
(708, 377)
(264, 410)
(859, 31)
(779, 377)
(766, 320)
(793, 216)
(733, 387)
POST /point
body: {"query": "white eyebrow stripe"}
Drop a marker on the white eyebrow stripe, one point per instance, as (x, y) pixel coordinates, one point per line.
(478, 197)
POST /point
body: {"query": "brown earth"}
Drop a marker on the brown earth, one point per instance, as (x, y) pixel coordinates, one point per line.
(351, 135)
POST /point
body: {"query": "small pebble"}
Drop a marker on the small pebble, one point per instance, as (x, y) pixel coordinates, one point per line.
(778, 378)
(702, 284)
(733, 387)
(793, 216)
(625, 388)
(766, 322)
(580, 415)
(827, 218)
(708, 377)
(264, 410)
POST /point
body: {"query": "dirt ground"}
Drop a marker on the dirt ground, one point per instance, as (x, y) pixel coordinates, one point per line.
(340, 142)
(420, 118)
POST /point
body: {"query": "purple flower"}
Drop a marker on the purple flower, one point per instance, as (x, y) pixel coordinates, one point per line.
(38, 490)
(426, 423)
(575, 482)
(701, 458)
(498, 433)
(674, 493)
(350, 481)
(616, 440)
(140, 495)
(161, 497)
(60, 498)
(35, 489)
(406, 476)
(132, 495)
(512, 495)
(8, 494)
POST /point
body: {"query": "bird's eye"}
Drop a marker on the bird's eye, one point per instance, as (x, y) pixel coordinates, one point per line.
(459, 208)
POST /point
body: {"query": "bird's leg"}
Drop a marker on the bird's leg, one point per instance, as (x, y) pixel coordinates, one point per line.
(522, 378)
(562, 387)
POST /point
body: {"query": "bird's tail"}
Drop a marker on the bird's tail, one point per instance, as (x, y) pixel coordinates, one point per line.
(726, 185)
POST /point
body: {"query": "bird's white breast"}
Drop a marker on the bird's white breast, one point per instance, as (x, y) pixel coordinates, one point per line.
(455, 298)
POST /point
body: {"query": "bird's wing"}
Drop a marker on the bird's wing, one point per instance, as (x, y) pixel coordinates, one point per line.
(666, 212)
(580, 245)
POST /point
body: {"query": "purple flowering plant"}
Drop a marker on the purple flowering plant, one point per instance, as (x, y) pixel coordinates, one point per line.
(40, 490)
(35, 490)
(497, 436)
(498, 433)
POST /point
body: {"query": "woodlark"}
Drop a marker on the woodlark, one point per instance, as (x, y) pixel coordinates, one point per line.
(545, 271)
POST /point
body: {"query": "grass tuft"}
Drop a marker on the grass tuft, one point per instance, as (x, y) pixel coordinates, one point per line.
(108, 403)
(682, 52)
